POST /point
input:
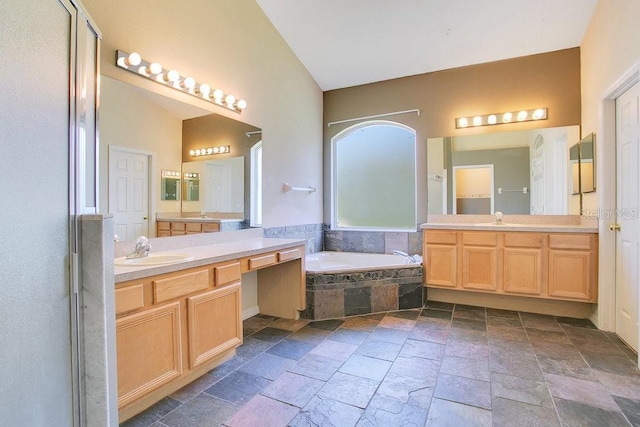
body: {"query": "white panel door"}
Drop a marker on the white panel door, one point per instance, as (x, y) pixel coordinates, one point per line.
(218, 188)
(628, 236)
(129, 193)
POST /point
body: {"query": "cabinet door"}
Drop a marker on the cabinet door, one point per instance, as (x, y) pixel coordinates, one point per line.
(441, 265)
(149, 351)
(479, 268)
(522, 271)
(215, 323)
(570, 274)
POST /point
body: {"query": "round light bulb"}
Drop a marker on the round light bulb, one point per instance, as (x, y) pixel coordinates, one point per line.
(197, 152)
(172, 76)
(477, 121)
(492, 119)
(204, 90)
(133, 59)
(215, 150)
(538, 114)
(154, 68)
(192, 152)
(188, 83)
(522, 115)
(217, 95)
(209, 150)
(506, 117)
(241, 104)
(463, 122)
(230, 100)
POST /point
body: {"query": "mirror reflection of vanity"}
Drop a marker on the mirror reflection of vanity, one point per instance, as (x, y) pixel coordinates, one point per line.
(523, 172)
(162, 131)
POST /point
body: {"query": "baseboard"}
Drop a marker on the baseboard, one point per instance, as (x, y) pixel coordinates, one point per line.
(250, 312)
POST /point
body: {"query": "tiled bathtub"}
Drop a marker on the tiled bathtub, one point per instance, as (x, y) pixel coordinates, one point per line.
(350, 284)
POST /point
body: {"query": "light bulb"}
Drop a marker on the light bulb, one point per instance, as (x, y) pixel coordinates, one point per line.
(209, 150)
(217, 95)
(204, 90)
(522, 115)
(133, 59)
(192, 152)
(188, 83)
(538, 114)
(230, 100)
(477, 121)
(463, 122)
(197, 152)
(492, 119)
(242, 104)
(506, 117)
(154, 68)
(171, 76)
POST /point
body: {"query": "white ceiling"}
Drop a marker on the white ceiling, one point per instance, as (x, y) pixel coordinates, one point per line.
(346, 43)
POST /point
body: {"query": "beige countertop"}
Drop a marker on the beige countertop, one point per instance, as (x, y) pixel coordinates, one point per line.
(198, 219)
(530, 223)
(204, 255)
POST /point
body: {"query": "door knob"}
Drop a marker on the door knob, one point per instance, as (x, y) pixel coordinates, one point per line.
(614, 227)
(146, 217)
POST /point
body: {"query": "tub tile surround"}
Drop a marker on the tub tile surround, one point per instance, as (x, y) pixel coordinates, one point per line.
(379, 242)
(312, 233)
(346, 294)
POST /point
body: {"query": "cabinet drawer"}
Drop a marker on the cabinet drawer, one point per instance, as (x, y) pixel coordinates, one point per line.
(194, 227)
(288, 255)
(225, 274)
(163, 225)
(262, 261)
(129, 298)
(523, 240)
(177, 286)
(480, 239)
(441, 237)
(570, 241)
(210, 227)
(177, 226)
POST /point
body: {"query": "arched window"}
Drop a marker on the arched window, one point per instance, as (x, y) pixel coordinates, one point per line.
(374, 177)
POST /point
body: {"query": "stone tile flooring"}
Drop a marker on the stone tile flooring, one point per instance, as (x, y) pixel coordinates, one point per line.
(442, 365)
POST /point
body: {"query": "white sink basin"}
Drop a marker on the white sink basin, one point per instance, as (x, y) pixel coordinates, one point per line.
(153, 259)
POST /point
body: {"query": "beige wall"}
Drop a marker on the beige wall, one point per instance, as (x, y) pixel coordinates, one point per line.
(230, 44)
(549, 80)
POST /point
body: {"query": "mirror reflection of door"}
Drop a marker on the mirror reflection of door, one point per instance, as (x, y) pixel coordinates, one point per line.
(473, 187)
(129, 192)
(218, 188)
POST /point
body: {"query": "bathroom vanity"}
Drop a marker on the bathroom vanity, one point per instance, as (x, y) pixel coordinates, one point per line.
(177, 321)
(550, 257)
(178, 226)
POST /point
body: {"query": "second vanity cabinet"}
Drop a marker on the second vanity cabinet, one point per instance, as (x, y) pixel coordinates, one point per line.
(182, 228)
(538, 264)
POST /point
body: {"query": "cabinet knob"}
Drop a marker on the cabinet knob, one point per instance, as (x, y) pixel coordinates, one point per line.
(145, 217)
(614, 227)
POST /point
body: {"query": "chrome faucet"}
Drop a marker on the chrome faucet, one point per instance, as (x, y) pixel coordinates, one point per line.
(411, 259)
(499, 217)
(142, 249)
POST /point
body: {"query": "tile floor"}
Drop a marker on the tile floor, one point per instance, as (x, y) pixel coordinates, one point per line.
(442, 365)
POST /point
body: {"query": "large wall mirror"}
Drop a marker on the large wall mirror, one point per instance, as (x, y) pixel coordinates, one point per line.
(525, 173)
(143, 133)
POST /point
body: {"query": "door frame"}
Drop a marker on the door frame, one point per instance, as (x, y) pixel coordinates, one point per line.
(489, 166)
(606, 146)
(151, 188)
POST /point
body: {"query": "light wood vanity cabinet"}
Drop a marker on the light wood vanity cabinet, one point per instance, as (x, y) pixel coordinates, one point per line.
(169, 327)
(172, 328)
(538, 264)
(181, 228)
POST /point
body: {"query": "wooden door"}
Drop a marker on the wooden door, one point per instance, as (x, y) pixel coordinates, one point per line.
(129, 192)
(522, 271)
(215, 323)
(627, 204)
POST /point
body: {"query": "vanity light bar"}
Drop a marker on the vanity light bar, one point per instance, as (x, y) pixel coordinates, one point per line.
(170, 174)
(191, 175)
(502, 118)
(210, 150)
(134, 63)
